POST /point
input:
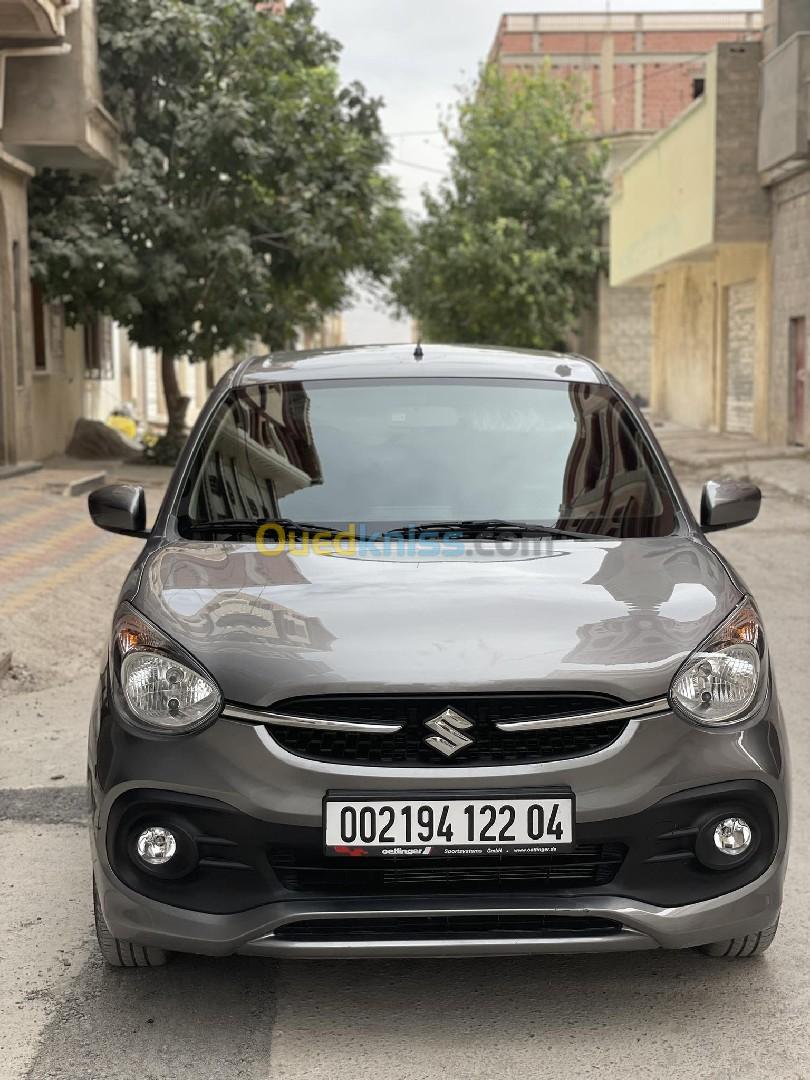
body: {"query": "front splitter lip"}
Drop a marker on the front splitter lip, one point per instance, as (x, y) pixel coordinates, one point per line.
(625, 941)
(644, 926)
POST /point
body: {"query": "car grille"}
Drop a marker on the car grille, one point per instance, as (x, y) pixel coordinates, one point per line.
(407, 747)
(304, 871)
(446, 927)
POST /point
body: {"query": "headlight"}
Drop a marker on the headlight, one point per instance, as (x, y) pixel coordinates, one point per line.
(163, 689)
(723, 680)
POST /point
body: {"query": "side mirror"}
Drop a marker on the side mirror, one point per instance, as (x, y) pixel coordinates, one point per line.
(119, 508)
(726, 503)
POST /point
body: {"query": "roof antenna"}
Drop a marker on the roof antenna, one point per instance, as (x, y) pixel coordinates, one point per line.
(417, 352)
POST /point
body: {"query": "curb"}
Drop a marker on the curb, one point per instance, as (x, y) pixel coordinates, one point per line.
(78, 487)
(8, 472)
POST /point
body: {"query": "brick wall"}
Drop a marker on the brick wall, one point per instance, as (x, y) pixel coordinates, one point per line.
(790, 293)
(669, 61)
(624, 97)
(688, 41)
(667, 92)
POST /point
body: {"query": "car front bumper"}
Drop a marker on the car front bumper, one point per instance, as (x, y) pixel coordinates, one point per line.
(254, 933)
(239, 767)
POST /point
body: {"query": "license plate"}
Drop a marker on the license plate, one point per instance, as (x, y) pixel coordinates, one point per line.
(449, 823)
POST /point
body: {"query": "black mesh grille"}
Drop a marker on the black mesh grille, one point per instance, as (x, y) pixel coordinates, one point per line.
(408, 747)
(312, 872)
(446, 927)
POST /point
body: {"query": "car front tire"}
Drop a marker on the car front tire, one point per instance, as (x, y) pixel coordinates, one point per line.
(734, 948)
(118, 952)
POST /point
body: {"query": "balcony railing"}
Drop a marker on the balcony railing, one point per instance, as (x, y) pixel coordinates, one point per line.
(784, 121)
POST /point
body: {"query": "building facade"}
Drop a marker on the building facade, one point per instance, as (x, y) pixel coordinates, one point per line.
(690, 220)
(51, 114)
(784, 164)
(640, 71)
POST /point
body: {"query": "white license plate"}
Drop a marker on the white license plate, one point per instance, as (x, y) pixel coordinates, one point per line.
(527, 823)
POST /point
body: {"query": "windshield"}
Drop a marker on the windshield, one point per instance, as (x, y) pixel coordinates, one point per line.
(386, 453)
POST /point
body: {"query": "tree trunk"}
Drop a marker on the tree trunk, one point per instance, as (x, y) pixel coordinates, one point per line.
(176, 403)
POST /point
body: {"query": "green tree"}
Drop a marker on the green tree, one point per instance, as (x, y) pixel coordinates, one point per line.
(509, 248)
(251, 193)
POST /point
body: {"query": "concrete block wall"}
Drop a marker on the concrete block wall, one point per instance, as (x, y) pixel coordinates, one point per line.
(742, 207)
(782, 19)
(740, 330)
(624, 338)
(790, 293)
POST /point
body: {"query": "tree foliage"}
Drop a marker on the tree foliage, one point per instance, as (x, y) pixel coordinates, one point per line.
(252, 189)
(509, 248)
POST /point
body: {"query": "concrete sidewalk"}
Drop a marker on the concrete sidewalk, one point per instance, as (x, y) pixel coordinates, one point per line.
(783, 469)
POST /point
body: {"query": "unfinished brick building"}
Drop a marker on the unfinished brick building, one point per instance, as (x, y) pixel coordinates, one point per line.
(640, 70)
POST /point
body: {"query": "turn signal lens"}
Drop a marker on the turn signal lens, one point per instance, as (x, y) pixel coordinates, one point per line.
(721, 681)
(164, 693)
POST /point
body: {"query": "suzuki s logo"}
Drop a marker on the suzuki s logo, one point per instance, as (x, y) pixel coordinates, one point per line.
(449, 727)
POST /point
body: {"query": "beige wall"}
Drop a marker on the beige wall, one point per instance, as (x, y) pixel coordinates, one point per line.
(683, 344)
(57, 399)
(52, 116)
(15, 396)
(695, 185)
(663, 204)
(690, 330)
(53, 111)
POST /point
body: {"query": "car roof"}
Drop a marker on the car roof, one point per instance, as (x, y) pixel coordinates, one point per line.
(404, 361)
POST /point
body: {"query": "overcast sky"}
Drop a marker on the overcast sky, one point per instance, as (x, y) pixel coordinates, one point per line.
(414, 54)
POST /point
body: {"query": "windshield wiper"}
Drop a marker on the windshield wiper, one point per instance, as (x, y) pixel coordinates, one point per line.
(481, 527)
(250, 525)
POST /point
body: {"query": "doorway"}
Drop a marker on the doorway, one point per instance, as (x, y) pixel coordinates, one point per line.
(740, 351)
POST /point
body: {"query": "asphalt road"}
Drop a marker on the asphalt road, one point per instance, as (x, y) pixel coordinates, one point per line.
(63, 1015)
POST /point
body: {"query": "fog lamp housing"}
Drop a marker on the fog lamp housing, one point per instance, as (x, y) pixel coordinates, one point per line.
(727, 839)
(162, 849)
(156, 845)
(733, 836)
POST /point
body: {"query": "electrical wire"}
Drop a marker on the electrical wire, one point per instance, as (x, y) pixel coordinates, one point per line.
(414, 165)
(664, 70)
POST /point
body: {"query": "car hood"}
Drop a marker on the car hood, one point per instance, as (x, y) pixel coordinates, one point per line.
(614, 617)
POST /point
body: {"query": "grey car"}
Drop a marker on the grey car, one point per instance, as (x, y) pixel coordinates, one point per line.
(425, 654)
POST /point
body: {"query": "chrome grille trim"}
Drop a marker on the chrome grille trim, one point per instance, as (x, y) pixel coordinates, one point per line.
(640, 711)
(629, 712)
(259, 716)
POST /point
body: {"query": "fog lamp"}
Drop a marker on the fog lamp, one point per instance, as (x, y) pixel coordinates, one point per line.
(732, 836)
(156, 845)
